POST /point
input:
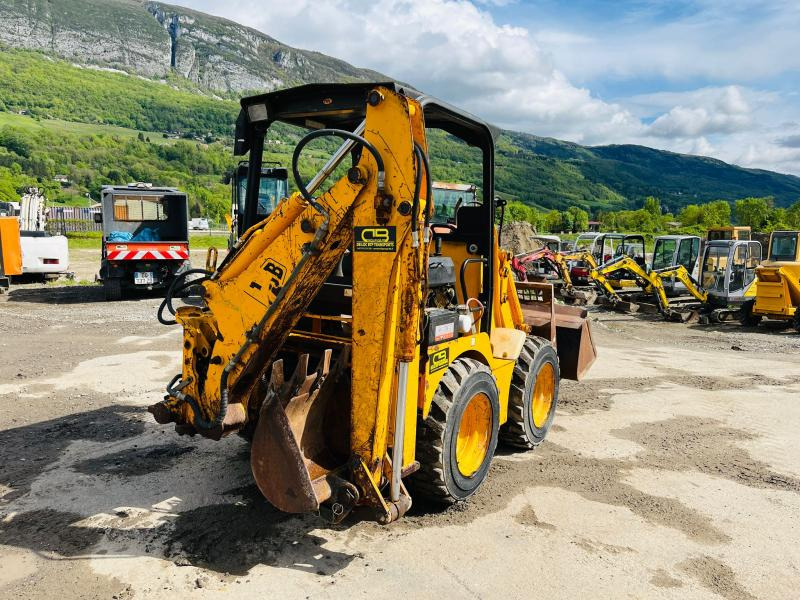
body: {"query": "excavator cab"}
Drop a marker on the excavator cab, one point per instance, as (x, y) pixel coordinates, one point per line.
(674, 250)
(367, 352)
(728, 270)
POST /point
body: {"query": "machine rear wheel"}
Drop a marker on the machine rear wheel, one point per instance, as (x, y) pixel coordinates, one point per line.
(533, 396)
(113, 288)
(796, 319)
(456, 443)
(746, 316)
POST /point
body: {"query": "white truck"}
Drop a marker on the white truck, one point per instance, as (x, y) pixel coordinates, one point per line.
(43, 255)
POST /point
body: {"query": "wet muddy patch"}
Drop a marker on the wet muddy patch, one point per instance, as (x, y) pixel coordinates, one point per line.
(528, 518)
(662, 579)
(704, 445)
(578, 398)
(715, 576)
(134, 461)
(27, 451)
(595, 479)
(234, 537)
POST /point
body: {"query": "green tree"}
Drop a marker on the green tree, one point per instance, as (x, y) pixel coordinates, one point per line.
(578, 218)
(652, 205)
(552, 222)
(754, 212)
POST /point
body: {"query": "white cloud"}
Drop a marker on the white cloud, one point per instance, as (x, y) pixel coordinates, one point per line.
(456, 50)
(722, 111)
(717, 40)
(449, 48)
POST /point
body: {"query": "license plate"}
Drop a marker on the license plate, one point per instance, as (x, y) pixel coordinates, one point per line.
(144, 278)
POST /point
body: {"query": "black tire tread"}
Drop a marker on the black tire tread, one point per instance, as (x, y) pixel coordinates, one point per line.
(746, 316)
(429, 480)
(113, 289)
(512, 432)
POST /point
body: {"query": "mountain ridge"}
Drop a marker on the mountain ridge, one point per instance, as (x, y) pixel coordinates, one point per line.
(220, 59)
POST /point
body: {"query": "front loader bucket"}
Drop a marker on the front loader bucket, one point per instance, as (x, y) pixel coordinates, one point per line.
(291, 463)
(574, 343)
(566, 326)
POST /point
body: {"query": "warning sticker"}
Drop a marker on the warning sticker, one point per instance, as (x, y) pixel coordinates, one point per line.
(374, 239)
(444, 332)
(438, 360)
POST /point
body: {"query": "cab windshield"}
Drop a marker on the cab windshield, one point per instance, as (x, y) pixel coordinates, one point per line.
(664, 253)
(447, 201)
(271, 191)
(783, 247)
(714, 267)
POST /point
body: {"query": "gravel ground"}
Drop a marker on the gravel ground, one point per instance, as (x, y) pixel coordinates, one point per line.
(671, 472)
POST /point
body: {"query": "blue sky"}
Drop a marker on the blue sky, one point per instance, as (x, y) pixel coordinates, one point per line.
(712, 77)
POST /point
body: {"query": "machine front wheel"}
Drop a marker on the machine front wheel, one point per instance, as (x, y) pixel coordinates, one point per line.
(533, 396)
(456, 443)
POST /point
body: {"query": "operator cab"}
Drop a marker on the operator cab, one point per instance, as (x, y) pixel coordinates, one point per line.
(728, 269)
(273, 187)
(463, 220)
(784, 246)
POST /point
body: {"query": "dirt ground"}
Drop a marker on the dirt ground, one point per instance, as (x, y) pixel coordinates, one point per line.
(672, 472)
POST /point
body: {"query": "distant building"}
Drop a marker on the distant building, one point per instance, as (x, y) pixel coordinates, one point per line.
(594, 226)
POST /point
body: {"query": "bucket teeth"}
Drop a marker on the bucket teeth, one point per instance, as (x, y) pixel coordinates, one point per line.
(289, 456)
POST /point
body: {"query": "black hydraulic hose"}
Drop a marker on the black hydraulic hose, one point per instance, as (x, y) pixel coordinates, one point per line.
(341, 133)
(177, 286)
(199, 422)
(464, 266)
(429, 185)
(417, 189)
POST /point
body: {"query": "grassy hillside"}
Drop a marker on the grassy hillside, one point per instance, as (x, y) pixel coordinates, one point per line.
(98, 127)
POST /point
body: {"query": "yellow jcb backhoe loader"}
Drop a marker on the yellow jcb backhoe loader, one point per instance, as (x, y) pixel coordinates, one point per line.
(357, 351)
(651, 282)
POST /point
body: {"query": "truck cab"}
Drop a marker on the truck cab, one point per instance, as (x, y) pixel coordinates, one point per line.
(145, 237)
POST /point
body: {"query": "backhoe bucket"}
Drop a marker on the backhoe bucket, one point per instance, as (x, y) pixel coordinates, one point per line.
(291, 463)
(566, 326)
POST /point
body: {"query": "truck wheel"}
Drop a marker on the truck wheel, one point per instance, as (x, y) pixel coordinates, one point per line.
(746, 316)
(533, 395)
(456, 443)
(113, 288)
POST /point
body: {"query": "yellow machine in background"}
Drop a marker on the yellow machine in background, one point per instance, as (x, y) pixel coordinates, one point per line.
(10, 250)
(651, 282)
(356, 349)
(775, 294)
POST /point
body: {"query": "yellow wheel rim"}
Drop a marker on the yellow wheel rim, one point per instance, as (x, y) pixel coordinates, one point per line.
(474, 433)
(543, 393)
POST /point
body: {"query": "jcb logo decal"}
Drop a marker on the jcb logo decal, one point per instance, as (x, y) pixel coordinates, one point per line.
(438, 360)
(275, 274)
(374, 239)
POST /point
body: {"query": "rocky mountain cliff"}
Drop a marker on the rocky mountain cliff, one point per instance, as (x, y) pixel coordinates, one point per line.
(154, 39)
